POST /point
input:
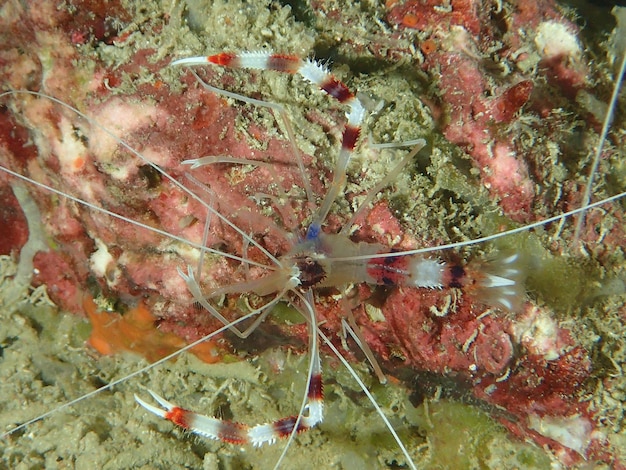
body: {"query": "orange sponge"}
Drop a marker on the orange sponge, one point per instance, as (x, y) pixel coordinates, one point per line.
(136, 331)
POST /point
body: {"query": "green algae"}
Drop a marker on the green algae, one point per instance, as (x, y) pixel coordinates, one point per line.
(461, 436)
(284, 313)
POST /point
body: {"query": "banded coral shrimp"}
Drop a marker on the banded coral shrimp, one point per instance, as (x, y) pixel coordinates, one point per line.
(192, 403)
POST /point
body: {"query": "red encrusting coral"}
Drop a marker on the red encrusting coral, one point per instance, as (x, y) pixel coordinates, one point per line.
(428, 14)
(479, 100)
(11, 215)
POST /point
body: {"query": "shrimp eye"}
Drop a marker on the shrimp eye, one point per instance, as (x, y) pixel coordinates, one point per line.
(311, 271)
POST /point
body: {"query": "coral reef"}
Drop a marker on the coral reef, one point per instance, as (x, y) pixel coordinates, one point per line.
(507, 99)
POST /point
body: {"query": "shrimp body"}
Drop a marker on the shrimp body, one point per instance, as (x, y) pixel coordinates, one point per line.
(498, 282)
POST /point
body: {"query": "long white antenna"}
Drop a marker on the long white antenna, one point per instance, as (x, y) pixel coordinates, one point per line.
(608, 118)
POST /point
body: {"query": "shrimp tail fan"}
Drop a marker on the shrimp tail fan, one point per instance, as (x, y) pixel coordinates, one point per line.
(499, 281)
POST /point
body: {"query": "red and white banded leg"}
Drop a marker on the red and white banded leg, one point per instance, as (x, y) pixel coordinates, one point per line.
(239, 433)
(319, 76)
